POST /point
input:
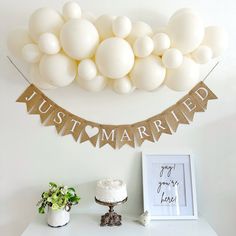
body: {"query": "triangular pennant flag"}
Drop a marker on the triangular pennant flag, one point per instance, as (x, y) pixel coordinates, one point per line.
(142, 132)
(107, 136)
(125, 135)
(30, 97)
(175, 117)
(58, 118)
(44, 108)
(90, 133)
(202, 94)
(189, 106)
(74, 126)
(159, 126)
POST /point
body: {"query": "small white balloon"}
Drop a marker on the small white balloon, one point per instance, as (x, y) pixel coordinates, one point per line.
(87, 69)
(58, 70)
(95, 85)
(45, 20)
(148, 73)
(79, 38)
(122, 86)
(172, 58)
(49, 43)
(186, 31)
(31, 53)
(114, 58)
(139, 29)
(71, 10)
(143, 46)
(217, 39)
(37, 79)
(89, 16)
(121, 26)
(104, 26)
(161, 43)
(184, 77)
(202, 55)
(16, 40)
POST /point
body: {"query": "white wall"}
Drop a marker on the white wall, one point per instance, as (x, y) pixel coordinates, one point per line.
(32, 155)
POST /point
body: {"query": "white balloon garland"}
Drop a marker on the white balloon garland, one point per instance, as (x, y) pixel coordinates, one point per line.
(62, 47)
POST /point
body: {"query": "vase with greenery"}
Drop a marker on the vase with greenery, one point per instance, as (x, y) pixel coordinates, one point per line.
(57, 202)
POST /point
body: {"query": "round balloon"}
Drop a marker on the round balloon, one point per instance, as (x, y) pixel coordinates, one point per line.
(79, 38)
(122, 86)
(95, 85)
(139, 29)
(71, 10)
(172, 58)
(31, 53)
(148, 73)
(104, 26)
(16, 40)
(37, 79)
(49, 43)
(161, 43)
(217, 39)
(121, 26)
(143, 46)
(45, 20)
(184, 77)
(58, 70)
(87, 69)
(202, 55)
(114, 58)
(186, 31)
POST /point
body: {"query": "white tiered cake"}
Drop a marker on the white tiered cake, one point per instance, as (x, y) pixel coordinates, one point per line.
(110, 191)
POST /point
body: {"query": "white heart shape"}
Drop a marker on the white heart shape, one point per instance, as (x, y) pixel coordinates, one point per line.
(91, 131)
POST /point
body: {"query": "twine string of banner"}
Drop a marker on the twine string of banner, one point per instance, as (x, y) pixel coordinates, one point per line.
(151, 129)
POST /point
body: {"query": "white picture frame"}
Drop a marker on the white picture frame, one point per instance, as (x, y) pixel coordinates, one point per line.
(169, 190)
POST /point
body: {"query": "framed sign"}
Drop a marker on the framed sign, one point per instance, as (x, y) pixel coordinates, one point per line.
(169, 186)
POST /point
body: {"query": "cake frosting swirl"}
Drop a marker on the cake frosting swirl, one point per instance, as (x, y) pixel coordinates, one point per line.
(111, 190)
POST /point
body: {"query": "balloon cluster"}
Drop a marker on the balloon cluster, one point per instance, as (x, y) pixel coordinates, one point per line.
(112, 50)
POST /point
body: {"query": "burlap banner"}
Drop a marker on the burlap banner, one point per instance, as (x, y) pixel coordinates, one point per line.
(117, 135)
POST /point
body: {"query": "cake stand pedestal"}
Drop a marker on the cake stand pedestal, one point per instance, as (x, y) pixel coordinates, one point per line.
(111, 218)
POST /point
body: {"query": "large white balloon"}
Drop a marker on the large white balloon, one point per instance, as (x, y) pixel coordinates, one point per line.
(95, 85)
(148, 73)
(139, 29)
(143, 46)
(71, 10)
(104, 26)
(45, 20)
(87, 69)
(58, 70)
(79, 38)
(184, 77)
(122, 86)
(186, 31)
(172, 58)
(114, 58)
(121, 26)
(202, 55)
(161, 43)
(31, 53)
(37, 79)
(16, 40)
(217, 39)
(49, 43)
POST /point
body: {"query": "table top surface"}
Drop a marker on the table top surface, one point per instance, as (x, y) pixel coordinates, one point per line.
(88, 224)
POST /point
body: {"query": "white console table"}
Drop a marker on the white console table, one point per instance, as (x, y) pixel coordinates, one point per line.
(88, 225)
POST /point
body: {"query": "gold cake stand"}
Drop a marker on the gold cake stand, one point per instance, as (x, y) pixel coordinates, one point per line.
(111, 218)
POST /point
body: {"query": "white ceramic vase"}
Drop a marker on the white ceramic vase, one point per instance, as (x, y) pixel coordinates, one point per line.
(57, 218)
